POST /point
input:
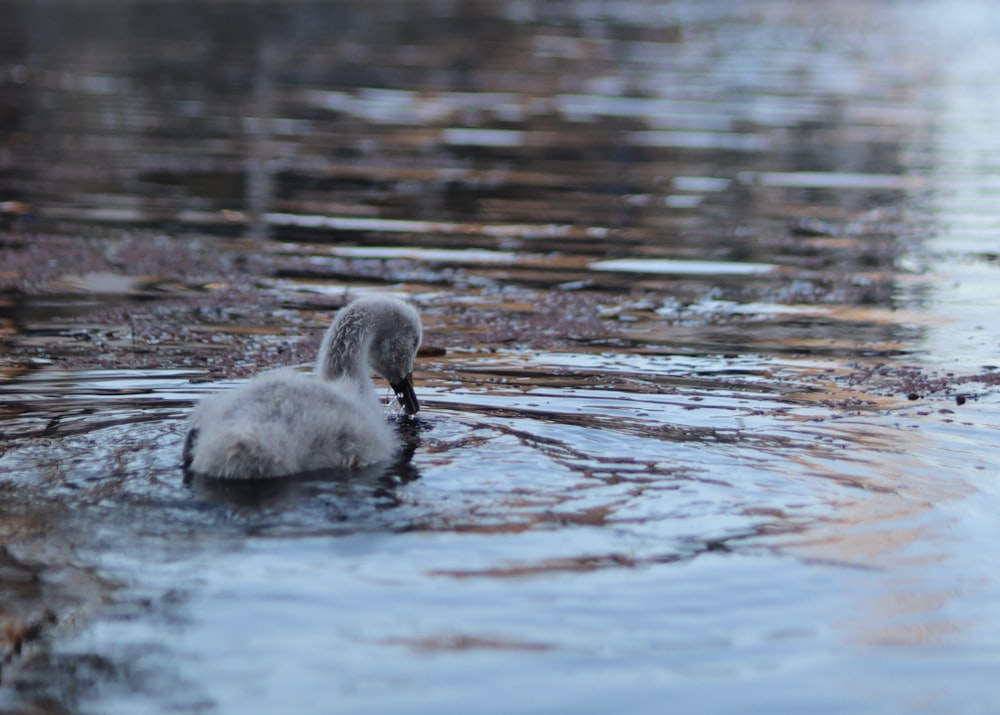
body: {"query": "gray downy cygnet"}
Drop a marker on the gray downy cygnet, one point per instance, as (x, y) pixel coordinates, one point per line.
(286, 422)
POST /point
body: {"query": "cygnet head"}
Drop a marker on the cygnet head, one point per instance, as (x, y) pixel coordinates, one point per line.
(394, 347)
(374, 333)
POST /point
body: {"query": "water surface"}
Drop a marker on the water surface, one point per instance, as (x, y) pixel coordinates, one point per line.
(709, 394)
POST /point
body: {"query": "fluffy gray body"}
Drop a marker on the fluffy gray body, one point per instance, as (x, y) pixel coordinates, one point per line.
(285, 422)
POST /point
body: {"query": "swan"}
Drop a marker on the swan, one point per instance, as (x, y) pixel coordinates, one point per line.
(286, 422)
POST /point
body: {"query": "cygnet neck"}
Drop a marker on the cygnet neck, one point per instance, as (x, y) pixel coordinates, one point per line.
(345, 348)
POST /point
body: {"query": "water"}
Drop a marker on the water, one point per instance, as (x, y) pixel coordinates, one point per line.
(709, 389)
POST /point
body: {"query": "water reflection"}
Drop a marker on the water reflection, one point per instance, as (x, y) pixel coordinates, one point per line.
(702, 285)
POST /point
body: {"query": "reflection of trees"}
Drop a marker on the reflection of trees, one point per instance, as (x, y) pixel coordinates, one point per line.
(172, 105)
(341, 107)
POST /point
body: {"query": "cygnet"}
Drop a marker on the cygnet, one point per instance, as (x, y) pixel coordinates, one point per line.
(286, 422)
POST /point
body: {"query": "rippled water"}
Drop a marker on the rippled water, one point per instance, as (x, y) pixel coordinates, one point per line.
(710, 415)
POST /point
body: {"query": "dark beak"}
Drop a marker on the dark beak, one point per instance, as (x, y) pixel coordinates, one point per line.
(406, 396)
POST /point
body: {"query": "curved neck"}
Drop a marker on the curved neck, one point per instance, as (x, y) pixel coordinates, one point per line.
(344, 352)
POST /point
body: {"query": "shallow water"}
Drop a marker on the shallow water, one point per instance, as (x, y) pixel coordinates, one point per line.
(710, 408)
